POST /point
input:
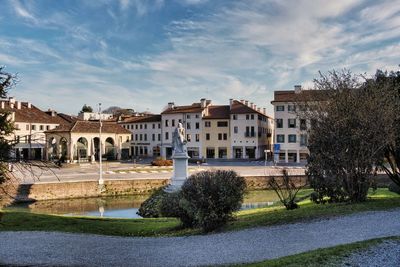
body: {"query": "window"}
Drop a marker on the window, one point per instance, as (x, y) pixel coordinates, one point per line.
(225, 136)
(234, 117)
(166, 135)
(197, 137)
(222, 124)
(282, 156)
(47, 127)
(159, 137)
(166, 123)
(280, 138)
(235, 130)
(136, 126)
(207, 136)
(292, 138)
(188, 125)
(280, 108)
(145, 137)
(136, 137)
(220, 136)
(197, 116)
(279, 123)
(252, 116)
(41, 127)
(291, 108)
(197, 125)
(247, 116)
(173, 123)
(140, 137)
(188, 137)
(179, 121)
(207, 123)
(303, 140)
(159, 126)
(188, 116)
(33, 127)
(303, 124)
(154, 125)
(141, 126)
(27, 127)
(292, 123)
(145, 126)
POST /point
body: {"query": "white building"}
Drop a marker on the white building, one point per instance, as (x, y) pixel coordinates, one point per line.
(290, 131)
(30, 122)
(94, 116)
(146, 135)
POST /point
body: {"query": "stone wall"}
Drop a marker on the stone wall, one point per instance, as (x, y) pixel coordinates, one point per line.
(68, 190)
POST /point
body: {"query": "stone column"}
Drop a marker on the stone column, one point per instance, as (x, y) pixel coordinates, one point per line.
(180, 174)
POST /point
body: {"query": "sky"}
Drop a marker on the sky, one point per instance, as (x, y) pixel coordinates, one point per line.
(142, 54)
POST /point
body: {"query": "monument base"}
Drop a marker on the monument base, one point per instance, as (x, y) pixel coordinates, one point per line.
(181, 172)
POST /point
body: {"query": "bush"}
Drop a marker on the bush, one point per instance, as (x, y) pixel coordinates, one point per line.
(210, 197)
(150, 208)
(170, 207)
(161, 162)
(394, 188)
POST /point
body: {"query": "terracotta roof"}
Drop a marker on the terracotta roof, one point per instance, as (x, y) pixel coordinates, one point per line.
(32, 114)
(194, 108)
(81, 126)
(240, 108)
(218, 112)
(291, 96)
(141, 119)
(67, 118)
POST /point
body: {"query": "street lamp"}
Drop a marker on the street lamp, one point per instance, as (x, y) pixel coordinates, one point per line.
(101, 181)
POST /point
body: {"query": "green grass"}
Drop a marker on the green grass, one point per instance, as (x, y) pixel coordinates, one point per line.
(24, 221)
(321, 257)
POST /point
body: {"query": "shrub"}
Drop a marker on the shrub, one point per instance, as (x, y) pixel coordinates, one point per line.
(210, 197)
(394, 188)
(161, 162)
(170, 207)
(150, 208)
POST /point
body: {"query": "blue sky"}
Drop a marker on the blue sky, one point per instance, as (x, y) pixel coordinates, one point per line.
(142, 54)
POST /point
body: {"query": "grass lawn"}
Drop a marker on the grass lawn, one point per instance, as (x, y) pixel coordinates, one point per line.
(320, 257)
(20, 221)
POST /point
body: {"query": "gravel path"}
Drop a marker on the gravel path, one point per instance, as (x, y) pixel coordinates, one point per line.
(257, 244)
(385, 254)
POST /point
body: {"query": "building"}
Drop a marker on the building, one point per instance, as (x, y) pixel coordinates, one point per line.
(290, 131)
(236, 131)
(94, 116)
(80, 141)
(30, 122)
(145, 134)
(191, 118)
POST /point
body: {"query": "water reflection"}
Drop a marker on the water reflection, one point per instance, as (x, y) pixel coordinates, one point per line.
(123, 206)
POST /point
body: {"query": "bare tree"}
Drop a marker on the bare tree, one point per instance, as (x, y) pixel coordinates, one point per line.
(287, 187)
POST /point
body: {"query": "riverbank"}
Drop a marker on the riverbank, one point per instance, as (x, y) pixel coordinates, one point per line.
(23, 221)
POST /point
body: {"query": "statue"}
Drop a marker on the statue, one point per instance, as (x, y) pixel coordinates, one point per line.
(180, 159)
(178, 140)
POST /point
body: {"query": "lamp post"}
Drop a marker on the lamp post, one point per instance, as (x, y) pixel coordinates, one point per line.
(101, 181)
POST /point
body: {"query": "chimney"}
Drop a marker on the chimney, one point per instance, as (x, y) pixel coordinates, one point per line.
(203, 103)
(265, 111)
(242, 101)
(246, 102)
(171, 105)
(208, 102)
(254, 106)
(2, 104)
(297, 89)
(11, 100)
(29, 105)
(230, 102)
(259, 110)
(18, 104)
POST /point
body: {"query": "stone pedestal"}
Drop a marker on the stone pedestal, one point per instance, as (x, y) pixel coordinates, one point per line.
(181, 172)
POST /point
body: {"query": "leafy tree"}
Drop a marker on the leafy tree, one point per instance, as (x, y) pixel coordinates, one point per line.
(6, 127)
(346, 135)
(86, 108)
